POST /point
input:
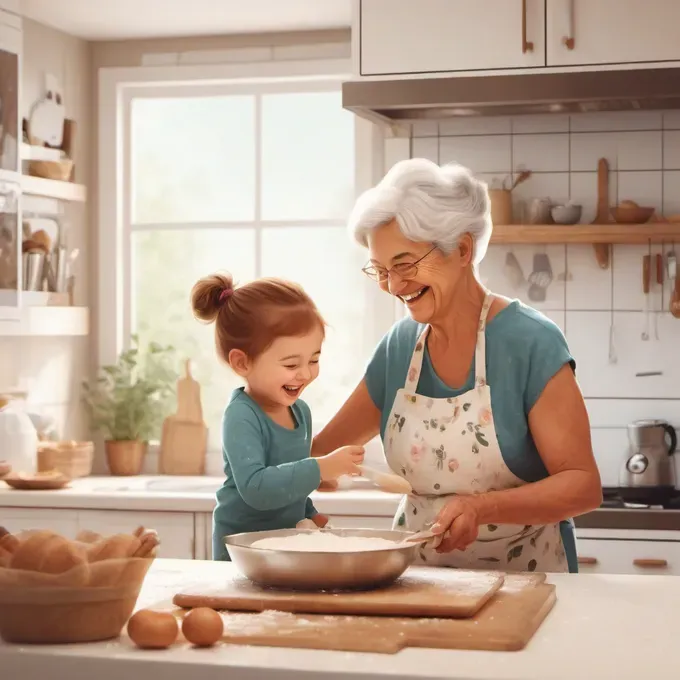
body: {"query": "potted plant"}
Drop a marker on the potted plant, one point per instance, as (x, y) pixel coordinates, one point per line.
(128, 402)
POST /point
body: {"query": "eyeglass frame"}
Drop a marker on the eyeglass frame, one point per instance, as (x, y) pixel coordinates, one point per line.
(365, 269)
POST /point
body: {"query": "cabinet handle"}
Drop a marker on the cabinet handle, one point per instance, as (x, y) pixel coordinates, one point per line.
(527, 46)
(568, 40)
(650, 563)
(587, 560)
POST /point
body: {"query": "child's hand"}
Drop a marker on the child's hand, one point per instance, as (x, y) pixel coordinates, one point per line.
(342, 461)
(320, 520)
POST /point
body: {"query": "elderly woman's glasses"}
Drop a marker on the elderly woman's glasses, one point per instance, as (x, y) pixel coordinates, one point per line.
(405, 270)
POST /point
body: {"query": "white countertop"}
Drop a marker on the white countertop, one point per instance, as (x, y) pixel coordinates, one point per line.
(179, 494)
(602, 627)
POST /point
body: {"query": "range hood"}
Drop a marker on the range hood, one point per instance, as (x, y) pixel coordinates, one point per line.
(400, 100)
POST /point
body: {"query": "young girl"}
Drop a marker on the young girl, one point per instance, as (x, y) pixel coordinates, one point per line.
(270, 333)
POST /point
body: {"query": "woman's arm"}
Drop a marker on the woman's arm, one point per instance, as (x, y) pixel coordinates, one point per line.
(357, 422)
(561, 431)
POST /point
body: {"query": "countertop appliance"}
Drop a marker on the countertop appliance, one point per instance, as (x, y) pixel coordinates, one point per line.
(648, 475)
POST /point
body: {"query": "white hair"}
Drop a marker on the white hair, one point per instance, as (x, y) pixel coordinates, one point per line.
(430, 203)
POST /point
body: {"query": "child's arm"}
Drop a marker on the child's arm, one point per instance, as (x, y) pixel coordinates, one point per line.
(310, 510)
(261, 486)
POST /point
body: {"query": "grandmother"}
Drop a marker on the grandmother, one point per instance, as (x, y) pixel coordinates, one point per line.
(473, 394)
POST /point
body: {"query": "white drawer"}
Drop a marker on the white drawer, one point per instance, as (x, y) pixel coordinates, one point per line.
(348, 522)
(628, 557)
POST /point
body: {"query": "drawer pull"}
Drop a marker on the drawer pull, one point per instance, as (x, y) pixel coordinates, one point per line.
(527, 45)
(646, 563)
(587, 560)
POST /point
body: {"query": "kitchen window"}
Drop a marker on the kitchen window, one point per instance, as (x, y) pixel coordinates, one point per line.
(253, 177)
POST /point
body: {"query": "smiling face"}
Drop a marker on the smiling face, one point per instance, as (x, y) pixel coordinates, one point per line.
(278, 376)
(430, 289)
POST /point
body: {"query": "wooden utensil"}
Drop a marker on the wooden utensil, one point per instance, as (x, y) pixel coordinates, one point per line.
(422, 591)
(506, 623)
(387, 482)
(646, 274)
(675, 298)
(184, 439)
(602, 216)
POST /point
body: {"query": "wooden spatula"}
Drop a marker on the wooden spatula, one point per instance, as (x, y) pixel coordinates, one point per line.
(386, 481)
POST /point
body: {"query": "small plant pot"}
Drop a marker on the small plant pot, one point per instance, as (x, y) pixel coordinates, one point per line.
(125, 458)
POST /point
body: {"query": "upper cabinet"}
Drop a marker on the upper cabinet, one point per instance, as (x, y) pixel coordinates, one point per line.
(434, 37)
(427, 36)
(585, 32)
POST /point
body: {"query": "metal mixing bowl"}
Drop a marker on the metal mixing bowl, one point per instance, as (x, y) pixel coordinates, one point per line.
(294, 570)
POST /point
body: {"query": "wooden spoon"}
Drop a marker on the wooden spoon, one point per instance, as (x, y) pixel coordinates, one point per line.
(387, 482)
(675, 299)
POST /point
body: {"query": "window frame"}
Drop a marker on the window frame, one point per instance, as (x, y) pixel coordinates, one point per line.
(116, 89)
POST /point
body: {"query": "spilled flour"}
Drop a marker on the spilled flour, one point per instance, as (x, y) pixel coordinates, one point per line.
(324, 542)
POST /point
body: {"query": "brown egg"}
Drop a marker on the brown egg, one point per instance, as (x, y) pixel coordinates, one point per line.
(152, 630)
(203, 626)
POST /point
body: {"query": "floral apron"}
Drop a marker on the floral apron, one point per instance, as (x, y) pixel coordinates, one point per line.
(445, 447)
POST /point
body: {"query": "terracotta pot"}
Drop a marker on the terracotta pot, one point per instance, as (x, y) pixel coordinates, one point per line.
(125, 458)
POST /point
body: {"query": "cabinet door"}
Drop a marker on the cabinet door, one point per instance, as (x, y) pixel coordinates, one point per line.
(428, 36)
(175, 529)
(612, 31)
(354, 522)
(628, 557)
(64, 522)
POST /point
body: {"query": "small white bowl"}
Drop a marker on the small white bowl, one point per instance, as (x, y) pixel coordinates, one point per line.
(566, 214)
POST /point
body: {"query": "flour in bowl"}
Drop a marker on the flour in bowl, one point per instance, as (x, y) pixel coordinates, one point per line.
(319, 541)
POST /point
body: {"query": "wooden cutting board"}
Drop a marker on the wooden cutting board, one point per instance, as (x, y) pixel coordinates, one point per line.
(184, 438)
(507, 623)
(422, 591)
(602, 216)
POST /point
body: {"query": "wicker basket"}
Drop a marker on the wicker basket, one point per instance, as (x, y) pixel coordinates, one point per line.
(38, 608)
(73, 459)
(59, 170)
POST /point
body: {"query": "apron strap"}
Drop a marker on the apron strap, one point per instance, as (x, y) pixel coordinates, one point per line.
(413, 375)
(480, 350)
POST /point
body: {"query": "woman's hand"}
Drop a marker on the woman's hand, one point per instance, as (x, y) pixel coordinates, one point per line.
(457, 524)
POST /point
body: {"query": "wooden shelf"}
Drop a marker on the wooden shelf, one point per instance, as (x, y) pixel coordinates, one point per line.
(44, 321)
(654, 232)
(52, 188)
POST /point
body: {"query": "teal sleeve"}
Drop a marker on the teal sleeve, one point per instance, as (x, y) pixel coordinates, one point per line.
(376, 374)
(549, 352)
(310, 510)
(261, 486)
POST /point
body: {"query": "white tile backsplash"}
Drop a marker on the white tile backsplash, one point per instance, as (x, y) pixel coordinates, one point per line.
(541, 153)
(481, 153)
(537, 124)
(643, 150)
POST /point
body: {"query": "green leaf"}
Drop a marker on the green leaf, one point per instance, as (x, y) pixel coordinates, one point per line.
(480, 438)
(489, 559)
(517, 550)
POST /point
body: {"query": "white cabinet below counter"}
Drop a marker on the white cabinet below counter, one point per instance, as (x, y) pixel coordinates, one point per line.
(628, 552)
(175, 529)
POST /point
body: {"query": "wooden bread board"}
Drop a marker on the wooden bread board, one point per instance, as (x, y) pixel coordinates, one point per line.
(422, 591)
(506, 623)
(184, 438)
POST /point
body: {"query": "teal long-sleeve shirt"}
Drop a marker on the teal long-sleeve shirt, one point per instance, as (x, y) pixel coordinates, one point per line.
(268, 469)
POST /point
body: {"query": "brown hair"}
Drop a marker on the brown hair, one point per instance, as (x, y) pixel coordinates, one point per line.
(250, 317)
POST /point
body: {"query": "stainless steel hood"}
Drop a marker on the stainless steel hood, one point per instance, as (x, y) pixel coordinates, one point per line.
(394, 101)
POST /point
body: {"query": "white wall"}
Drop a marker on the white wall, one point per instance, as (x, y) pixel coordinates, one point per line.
(643, 150)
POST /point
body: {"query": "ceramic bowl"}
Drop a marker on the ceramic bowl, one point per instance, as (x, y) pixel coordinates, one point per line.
(566, 214)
